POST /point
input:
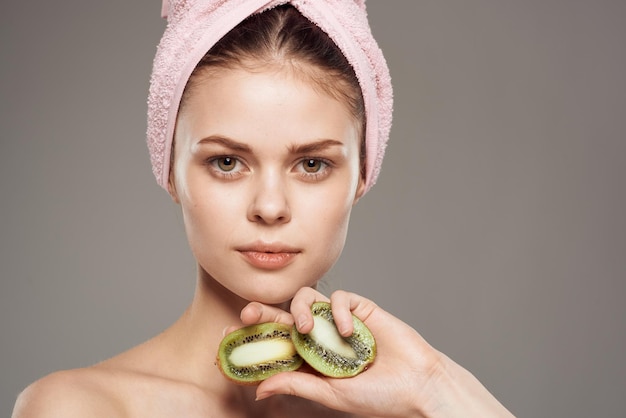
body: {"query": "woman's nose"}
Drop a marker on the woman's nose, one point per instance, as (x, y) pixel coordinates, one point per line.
(269, 204)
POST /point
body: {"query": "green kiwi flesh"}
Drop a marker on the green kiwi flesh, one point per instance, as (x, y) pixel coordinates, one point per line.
(254, 353)
(328, 352)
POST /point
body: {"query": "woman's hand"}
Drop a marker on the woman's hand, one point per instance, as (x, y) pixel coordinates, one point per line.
(409, 378)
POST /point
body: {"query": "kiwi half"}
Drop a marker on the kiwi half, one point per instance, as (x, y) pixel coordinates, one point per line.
(256, 352)
(328, 352)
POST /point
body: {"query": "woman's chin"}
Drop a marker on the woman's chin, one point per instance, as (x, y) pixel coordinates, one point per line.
(268, 296)
(274, 299)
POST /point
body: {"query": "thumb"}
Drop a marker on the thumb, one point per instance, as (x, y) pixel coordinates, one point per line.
(301, 384)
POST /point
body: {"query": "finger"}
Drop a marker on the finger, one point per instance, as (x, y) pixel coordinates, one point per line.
(258, 313)
(229, 329)
(345, 304)
(363, 307)
(342, 314)
(303, 385)
(301, 308)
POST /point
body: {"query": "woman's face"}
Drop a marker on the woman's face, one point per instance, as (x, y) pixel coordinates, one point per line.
(266, 171)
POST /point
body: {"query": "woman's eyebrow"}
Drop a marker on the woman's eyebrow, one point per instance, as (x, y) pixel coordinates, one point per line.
(225, 142)
(314, 146)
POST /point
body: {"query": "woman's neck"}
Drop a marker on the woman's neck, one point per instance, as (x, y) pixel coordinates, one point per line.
(198, 332)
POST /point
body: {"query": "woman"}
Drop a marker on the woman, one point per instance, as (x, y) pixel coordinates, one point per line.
(266, 142)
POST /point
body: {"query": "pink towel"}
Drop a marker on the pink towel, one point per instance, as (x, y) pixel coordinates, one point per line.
(194, 26)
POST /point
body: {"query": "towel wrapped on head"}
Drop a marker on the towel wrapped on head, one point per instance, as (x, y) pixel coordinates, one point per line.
(194, 26)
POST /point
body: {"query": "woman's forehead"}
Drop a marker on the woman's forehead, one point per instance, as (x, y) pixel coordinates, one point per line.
(240, 104)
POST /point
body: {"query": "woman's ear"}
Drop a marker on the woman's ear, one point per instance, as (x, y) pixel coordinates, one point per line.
(171, 187)
(360, 190)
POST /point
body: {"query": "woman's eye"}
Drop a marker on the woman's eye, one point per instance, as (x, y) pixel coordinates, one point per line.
(226, 163)
(311, 165)
(226, 166)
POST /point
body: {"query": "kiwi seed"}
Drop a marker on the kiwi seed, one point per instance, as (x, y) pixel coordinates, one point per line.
(328, 352)
(256, 352)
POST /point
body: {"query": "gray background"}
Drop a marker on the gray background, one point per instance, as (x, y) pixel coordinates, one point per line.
(496, 229)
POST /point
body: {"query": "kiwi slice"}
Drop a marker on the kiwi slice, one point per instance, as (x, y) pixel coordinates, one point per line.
(256, 352)
(328, 352)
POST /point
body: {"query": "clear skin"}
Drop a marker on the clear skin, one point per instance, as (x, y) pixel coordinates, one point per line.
(264, 163)
(283, 180)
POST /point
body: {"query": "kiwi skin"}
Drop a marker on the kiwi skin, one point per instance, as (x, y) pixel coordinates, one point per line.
(254, 373)
(331, 363)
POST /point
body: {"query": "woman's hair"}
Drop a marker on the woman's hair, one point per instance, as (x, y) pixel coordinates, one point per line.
(282, 37)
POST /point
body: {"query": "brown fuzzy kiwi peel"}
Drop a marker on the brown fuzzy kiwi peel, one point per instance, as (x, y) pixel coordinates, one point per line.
(254, 353)
(328, 352)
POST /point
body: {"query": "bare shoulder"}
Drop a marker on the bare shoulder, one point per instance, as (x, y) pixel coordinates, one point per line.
(68, 393)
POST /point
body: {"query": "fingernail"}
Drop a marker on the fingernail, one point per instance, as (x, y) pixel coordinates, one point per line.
(344, 329)
(302, 320)
(263, 395)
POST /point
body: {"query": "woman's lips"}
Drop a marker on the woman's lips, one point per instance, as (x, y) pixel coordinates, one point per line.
(268, 256)
(269, 260)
